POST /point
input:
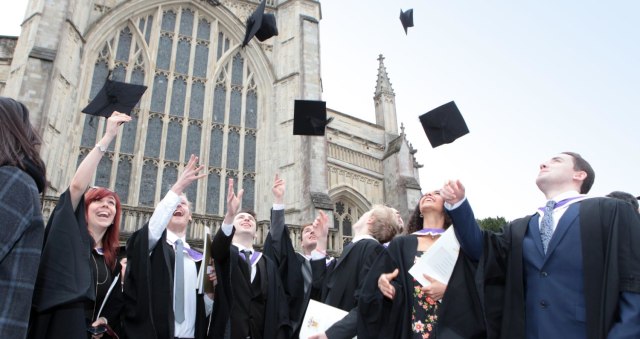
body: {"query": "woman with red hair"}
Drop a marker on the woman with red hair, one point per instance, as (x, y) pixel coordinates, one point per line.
(78, 288)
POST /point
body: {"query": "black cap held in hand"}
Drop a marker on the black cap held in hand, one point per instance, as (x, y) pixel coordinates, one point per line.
(444, 124)
(407, 19)
(310, 117)
(261, 25)
(115, 96)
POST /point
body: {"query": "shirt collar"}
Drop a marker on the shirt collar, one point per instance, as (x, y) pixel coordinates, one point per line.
(242, 248)
(172, 237)
(364, 236)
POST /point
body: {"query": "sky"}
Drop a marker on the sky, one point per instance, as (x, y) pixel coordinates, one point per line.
(532, 78)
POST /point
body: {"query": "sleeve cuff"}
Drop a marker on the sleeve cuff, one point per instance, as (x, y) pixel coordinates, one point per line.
(450, 207)
(227, 229)
(278, 207)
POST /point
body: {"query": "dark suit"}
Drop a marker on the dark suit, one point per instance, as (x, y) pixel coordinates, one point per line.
(343, 279)
(148, 290)
(236, 299)
(575, 290)
(294, 268)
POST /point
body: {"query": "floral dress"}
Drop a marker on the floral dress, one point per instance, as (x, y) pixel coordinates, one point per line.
(424, 311)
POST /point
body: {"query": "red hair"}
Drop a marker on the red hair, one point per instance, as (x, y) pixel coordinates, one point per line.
(111, 237)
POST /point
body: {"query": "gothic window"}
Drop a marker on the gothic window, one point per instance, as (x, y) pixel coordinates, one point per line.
(201, 99)
(345, 214)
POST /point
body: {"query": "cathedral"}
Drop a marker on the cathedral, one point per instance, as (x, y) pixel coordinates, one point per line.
(207, 95)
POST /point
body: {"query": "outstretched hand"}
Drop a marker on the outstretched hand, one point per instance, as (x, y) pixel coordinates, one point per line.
(188, 175)
(452, 192)
(384, 284)
(278, 190)
(321, 225)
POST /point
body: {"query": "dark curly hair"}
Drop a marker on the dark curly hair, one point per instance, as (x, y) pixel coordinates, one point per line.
(416, 220)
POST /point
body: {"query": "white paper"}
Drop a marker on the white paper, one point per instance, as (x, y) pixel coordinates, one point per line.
(319, 318)
(439, 260)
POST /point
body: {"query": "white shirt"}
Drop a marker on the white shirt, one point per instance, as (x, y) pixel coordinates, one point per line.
(558, 212)
(157, 224)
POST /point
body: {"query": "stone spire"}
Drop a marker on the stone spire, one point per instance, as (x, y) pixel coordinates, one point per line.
(385, 101)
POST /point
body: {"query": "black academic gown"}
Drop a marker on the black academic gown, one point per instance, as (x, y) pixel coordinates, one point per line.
(611, 263)
(290, 265)
(226, 260)
(148, 290)
(343, 279)
(66, 285)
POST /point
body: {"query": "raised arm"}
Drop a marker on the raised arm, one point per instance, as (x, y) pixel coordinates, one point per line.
(277, 214)
(89, 164)
(164, 210)
(222, 239)
(465, 225)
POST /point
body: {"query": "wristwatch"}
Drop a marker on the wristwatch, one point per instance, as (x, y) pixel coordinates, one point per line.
(101, 148)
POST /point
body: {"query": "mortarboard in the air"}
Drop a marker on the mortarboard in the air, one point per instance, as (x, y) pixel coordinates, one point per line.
(261, 25)
(407, 19)
(115, 96)
(310, 117)
(444, 124)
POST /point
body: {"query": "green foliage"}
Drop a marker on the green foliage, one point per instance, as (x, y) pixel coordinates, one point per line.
(492, 224)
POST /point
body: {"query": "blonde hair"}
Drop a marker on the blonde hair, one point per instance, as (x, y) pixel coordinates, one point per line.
(385, 224)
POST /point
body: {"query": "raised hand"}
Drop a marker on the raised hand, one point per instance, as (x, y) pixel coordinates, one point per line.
(321, 229)
(188, 175)
(233, 203)
(435, 290)
(278, 190)
(452, 192)
(113, 123)
(384, 284)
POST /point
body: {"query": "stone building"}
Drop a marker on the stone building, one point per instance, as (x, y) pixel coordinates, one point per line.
(208, 96)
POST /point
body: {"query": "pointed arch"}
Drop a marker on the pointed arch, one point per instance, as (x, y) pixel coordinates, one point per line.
(204, 93)
(348, 207)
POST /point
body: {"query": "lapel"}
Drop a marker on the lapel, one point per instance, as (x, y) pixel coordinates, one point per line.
(534, 229)
(568, 219)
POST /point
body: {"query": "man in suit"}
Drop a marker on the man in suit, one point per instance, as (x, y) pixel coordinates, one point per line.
(161, 299)
(568, 271)
(249, 293)
(343, 277)
(295, 267)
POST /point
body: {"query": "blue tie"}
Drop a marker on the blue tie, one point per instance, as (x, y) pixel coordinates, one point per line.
(179, 288)
(546, 225)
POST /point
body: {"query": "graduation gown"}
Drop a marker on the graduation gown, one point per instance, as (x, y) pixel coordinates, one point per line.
(148, 290)
(276, 313)
(343, 279)
(609, 233)
(66, 283)
(290, 265)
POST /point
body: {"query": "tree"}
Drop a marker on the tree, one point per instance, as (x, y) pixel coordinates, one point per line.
(492, 224)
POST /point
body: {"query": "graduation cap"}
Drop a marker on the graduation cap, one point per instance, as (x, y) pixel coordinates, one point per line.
(407, 19)
(444, 124)
(261, 25)
(115, 96)
(310, 117)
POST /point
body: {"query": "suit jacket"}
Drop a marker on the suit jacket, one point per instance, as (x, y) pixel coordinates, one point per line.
(590, 250)
(226, 259)
(148, 290)
(278, 247)
(343, 280)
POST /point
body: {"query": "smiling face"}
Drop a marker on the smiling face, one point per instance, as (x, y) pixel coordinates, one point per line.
(102, 212)
(431, 201)
(245, 223)
(309, 237)
(181, 215)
